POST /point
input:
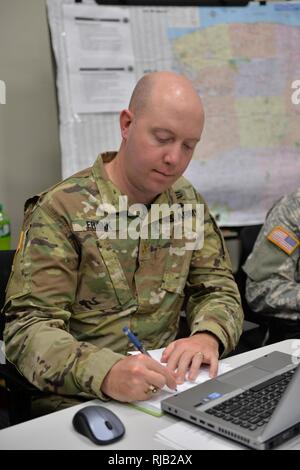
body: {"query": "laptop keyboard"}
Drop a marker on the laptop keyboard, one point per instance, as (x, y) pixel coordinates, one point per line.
(254, 407)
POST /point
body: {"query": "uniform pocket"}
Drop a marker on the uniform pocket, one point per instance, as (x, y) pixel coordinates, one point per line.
(95, 289)
(176, 268)
(115, 272)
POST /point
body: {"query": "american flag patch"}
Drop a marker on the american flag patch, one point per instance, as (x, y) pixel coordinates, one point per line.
(283, 239)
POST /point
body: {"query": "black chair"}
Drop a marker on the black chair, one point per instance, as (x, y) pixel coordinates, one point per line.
(19, 391)
(252, 337)
(247, 236)
(6, 260)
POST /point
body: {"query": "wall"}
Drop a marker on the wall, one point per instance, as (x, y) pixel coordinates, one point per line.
(29, 139)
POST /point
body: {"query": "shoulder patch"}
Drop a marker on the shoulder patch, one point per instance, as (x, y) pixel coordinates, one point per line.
(285, 240)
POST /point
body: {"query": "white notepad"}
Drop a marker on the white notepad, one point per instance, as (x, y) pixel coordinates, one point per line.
(152, 406)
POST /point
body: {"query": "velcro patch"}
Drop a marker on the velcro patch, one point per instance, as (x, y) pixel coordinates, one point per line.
(285, 240)
(21, 239)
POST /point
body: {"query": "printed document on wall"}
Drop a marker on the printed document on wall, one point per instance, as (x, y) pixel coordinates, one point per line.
(100, 57)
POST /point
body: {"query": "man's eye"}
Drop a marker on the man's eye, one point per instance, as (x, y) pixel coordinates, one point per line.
(188, 147)
(163, 140)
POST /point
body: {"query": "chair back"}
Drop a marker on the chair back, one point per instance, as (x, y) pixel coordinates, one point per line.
(248, 236)
(19, 390)
(6, 261)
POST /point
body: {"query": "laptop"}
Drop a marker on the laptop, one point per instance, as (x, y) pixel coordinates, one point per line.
(256, 404)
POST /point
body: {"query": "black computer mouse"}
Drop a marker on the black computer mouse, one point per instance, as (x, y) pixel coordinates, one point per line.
(99, 424)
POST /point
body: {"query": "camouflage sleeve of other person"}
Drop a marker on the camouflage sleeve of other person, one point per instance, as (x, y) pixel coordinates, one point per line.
(272, 284)
(213, 298)
(38, 307)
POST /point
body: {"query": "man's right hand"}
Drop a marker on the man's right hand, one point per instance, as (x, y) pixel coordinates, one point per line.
(131, 378)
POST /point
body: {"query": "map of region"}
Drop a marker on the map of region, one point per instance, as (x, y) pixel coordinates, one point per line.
(242, 62)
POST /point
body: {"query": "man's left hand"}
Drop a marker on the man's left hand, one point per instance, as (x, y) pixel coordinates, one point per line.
(187, 354)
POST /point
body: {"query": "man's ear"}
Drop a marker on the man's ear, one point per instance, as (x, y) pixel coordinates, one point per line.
(125, 121)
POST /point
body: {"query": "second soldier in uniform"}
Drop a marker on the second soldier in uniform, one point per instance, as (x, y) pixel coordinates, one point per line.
(273, 269)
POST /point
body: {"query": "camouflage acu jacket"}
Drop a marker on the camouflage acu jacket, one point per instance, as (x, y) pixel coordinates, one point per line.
(72, 291)
(273, 269)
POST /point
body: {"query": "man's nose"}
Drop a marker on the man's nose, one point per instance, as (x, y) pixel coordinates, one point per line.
(173, 155)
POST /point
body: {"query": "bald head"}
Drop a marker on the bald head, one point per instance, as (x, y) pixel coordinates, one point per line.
(160, 131)
(163, 87)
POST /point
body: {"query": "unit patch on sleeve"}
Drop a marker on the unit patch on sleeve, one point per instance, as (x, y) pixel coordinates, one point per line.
(285, 240)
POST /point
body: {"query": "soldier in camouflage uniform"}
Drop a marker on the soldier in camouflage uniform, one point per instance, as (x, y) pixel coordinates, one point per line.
(273, 269)
(73, 289)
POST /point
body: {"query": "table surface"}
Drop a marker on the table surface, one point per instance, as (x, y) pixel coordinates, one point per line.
(55, 431)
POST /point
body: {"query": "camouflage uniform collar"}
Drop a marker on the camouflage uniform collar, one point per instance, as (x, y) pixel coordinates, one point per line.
(181, 192)
(108, 192)
(98, 169)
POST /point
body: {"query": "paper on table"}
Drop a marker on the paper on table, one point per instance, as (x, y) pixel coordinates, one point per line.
(184, 435)
(153, 405)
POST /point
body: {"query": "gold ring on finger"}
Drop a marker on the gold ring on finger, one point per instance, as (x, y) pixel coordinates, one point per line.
(152, 389)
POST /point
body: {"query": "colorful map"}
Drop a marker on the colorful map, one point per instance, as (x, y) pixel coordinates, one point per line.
(243, 62)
